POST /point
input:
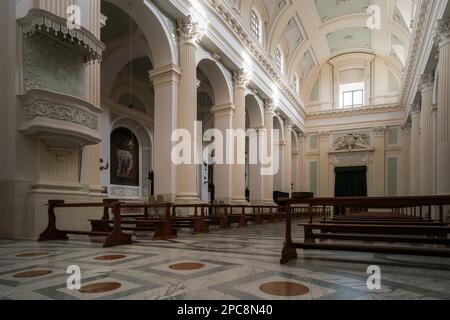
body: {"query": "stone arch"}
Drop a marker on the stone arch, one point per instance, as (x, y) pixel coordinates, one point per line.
(155, 30)
(255, 110)
(219, 79)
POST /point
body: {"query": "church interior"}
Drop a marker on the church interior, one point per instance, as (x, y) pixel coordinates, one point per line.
(225, 150)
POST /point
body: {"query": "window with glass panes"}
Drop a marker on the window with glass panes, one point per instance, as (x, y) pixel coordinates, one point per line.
(255, 25)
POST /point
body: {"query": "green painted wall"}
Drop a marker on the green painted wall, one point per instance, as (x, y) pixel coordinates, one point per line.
(392, 172)
(313, 177)
(52, 65)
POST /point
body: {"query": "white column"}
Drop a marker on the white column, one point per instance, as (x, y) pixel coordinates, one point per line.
(287, 181)
(378, 162)
(324, 164)
(434, 114)
(187, 109)
(269, 113)
(426, 135)
(415, 150)
(90, 169)
(443, 135)
(256, 181)
(223, 120)
(165, 83)
(279, 178)
(406, 157)
(241, 80)
(301, 162)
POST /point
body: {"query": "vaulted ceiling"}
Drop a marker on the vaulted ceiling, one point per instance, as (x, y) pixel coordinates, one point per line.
(311, 32)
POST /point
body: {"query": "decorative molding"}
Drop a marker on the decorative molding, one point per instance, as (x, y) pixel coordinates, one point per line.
(234, 20)
(49, 64)
(325, 135)
(353, 111)
(124, 191)
(49, 110)
(165, 75)
(442, 36)
(270, 107)
(41, 21)
(351, 142)
(241, 78)
(415, 109)
(64, 123)
(190, 30)
(426, 81)
(378, 131)
(354, 158)
(288, 125)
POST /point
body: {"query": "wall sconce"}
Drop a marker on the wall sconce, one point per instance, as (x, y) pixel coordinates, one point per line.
(104, 167)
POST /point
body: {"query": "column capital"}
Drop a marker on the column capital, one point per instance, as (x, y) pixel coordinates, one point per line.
(270, 107)
(426, 81)
(241, 78)
(190, 30)
(325, 135)
(302, 136)
(415, 110)
(223, 110)
(406, 128)
(165, 75)
(434, 108)
(288, 125)
(442, 36)
(378, 131)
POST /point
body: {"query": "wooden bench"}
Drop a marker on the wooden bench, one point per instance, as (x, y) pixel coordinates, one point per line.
(393, 227)
(196, 221)
(114, 237)
(160, 224)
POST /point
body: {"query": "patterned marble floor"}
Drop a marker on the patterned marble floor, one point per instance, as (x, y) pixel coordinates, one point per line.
(222, 265)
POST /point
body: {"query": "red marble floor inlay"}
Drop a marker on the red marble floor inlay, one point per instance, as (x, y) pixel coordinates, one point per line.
(187, 266)
(284, 289)
(111, 257)
(100, 287)
(32, 274)
(32, 254)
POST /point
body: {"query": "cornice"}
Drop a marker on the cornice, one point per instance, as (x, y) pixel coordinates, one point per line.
(414, 48)
(354, 111)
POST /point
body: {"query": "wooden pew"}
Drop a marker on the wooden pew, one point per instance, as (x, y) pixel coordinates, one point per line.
(390, 227)
(114, 237)
(160, 224)
(113, 229)
(196, 222)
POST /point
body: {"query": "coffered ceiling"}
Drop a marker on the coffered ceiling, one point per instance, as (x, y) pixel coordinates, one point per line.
(311, 32)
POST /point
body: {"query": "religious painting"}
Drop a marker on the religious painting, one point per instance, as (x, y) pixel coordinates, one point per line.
(124, 158)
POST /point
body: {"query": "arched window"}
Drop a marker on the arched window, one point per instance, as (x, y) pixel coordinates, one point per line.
(255, 25)
(279, 60)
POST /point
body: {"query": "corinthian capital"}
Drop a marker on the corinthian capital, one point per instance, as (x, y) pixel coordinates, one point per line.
(415, 109)
(288, 125)
(241, 78)
(190, 30)
(426, 81)
(442, 32)
(271, 106)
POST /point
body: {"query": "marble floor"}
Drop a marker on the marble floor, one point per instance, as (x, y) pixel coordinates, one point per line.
(222, 265)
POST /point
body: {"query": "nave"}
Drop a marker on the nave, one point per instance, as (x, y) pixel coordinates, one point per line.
(234, 264)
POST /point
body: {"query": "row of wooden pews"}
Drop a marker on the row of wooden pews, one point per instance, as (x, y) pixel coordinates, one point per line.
(120, 220)
(380, 225)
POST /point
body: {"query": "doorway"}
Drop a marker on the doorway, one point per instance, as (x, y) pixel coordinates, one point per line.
(350, 182)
